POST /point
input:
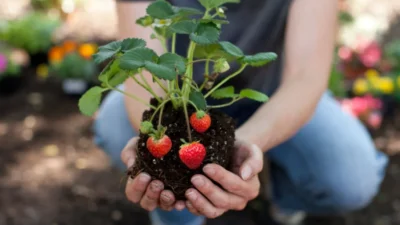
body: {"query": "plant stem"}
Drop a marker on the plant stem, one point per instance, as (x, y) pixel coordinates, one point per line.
(132, 96)
(206, 72)
(158, 108)
(187, 121)
(158, 81)
(160, 116)
(225, 80)
(224, 105)
(149, 89)
(201, 60)
(145, 87)
(173, 43)
(189, 70)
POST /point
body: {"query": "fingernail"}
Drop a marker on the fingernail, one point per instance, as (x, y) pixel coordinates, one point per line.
(165, 197)
(155, 186)
(144, 177)
(209, 170)
(191, 195)
(198, 181)
(189, 205)
(246, 172)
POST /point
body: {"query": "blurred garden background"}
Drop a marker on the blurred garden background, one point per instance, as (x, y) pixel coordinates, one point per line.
(52, 174)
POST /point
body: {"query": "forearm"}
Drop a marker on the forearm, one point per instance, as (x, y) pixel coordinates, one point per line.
(286, 112)
(128, 13)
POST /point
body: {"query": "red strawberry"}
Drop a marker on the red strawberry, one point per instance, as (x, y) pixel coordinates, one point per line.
(159, 147)
(192, 155)
(200, 121)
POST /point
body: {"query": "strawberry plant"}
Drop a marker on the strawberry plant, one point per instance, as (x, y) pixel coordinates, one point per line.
(180, 131)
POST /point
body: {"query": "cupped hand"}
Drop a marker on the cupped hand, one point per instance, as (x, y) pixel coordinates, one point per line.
(149, 194)
(238, 187)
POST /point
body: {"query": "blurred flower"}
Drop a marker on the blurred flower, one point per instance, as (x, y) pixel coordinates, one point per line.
(374, 120)
(370, 53)
(385, 85)
(69, 46)
(398, 81)
(373, 103)
(161, 22)
(87, 50)
(360, 86)
(42, 71)
(371, 73)
(345, 53)
(359, 106)
(56, 54)
(3, 63)
(19, 57)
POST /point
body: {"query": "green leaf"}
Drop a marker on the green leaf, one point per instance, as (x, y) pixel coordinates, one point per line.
(160, 9)
(90, 101)
(206, 33)
(173, 61)
(118, 78)
(231, 49)
(212, 51)
(186, 11)
(161, 71)
(210, 4)
(259, 59)
(136, 58)
(132, 43)
(183, 27)
(226, 92)
(254, 95)
(215, 21)
(145, 21)
(198, 99)
(107, 51)
(146, 127)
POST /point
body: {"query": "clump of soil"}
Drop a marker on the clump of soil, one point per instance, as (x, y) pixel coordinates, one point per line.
(218, 141)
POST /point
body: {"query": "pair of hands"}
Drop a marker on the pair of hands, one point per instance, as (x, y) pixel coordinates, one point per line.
(207, 199)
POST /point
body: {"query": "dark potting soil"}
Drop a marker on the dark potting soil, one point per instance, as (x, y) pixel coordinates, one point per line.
(218, 141)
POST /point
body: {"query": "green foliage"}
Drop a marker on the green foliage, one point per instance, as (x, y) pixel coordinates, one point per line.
(254, 95)
(210, 4)
(184, 27)
(146, 127)
(231, 49)
(205, 34)
(33, 32)
(226, 92)
(111, 49)
(160, 9)
(145, 21)
(174, 62)
(136, 58)
(90, 101)
(392, 52)
(221, 65)
(198, 99)
(74, 66)
(259, 59)
(336, 84)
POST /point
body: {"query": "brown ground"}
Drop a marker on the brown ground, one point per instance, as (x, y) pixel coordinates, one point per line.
(51, 173)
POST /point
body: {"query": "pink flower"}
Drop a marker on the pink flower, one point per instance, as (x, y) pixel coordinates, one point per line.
(345, 53)
(373, 103)
(3, 63)
(370, 53)
(359, 106)
(374, 120)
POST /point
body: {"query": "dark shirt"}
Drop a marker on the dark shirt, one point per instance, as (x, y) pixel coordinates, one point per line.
(255, 26)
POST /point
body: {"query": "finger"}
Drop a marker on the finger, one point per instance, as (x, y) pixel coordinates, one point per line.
(229, 181)
(218, 197)
(152, 196)
(253, 163)
(128, 153)
(167, 200)
(191, 208)
(202, 205)
(135, 188)
(180, 205)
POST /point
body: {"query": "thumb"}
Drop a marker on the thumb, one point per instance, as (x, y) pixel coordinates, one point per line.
(128, 154)
(253, 164)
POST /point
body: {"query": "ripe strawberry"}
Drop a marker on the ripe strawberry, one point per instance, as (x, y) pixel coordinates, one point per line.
(159, 147)
(192, 155)
(200, 121)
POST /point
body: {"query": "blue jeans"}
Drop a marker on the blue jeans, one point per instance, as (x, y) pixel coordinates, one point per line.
(330, 166)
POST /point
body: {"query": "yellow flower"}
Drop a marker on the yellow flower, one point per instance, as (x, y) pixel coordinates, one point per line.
(360, 86)
(56, 54)
(398, 81)
(87, 50)
(42, 71)
(371, 73)
(385, 85)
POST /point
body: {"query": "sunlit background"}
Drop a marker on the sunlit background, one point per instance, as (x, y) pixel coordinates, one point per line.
(52, 174)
